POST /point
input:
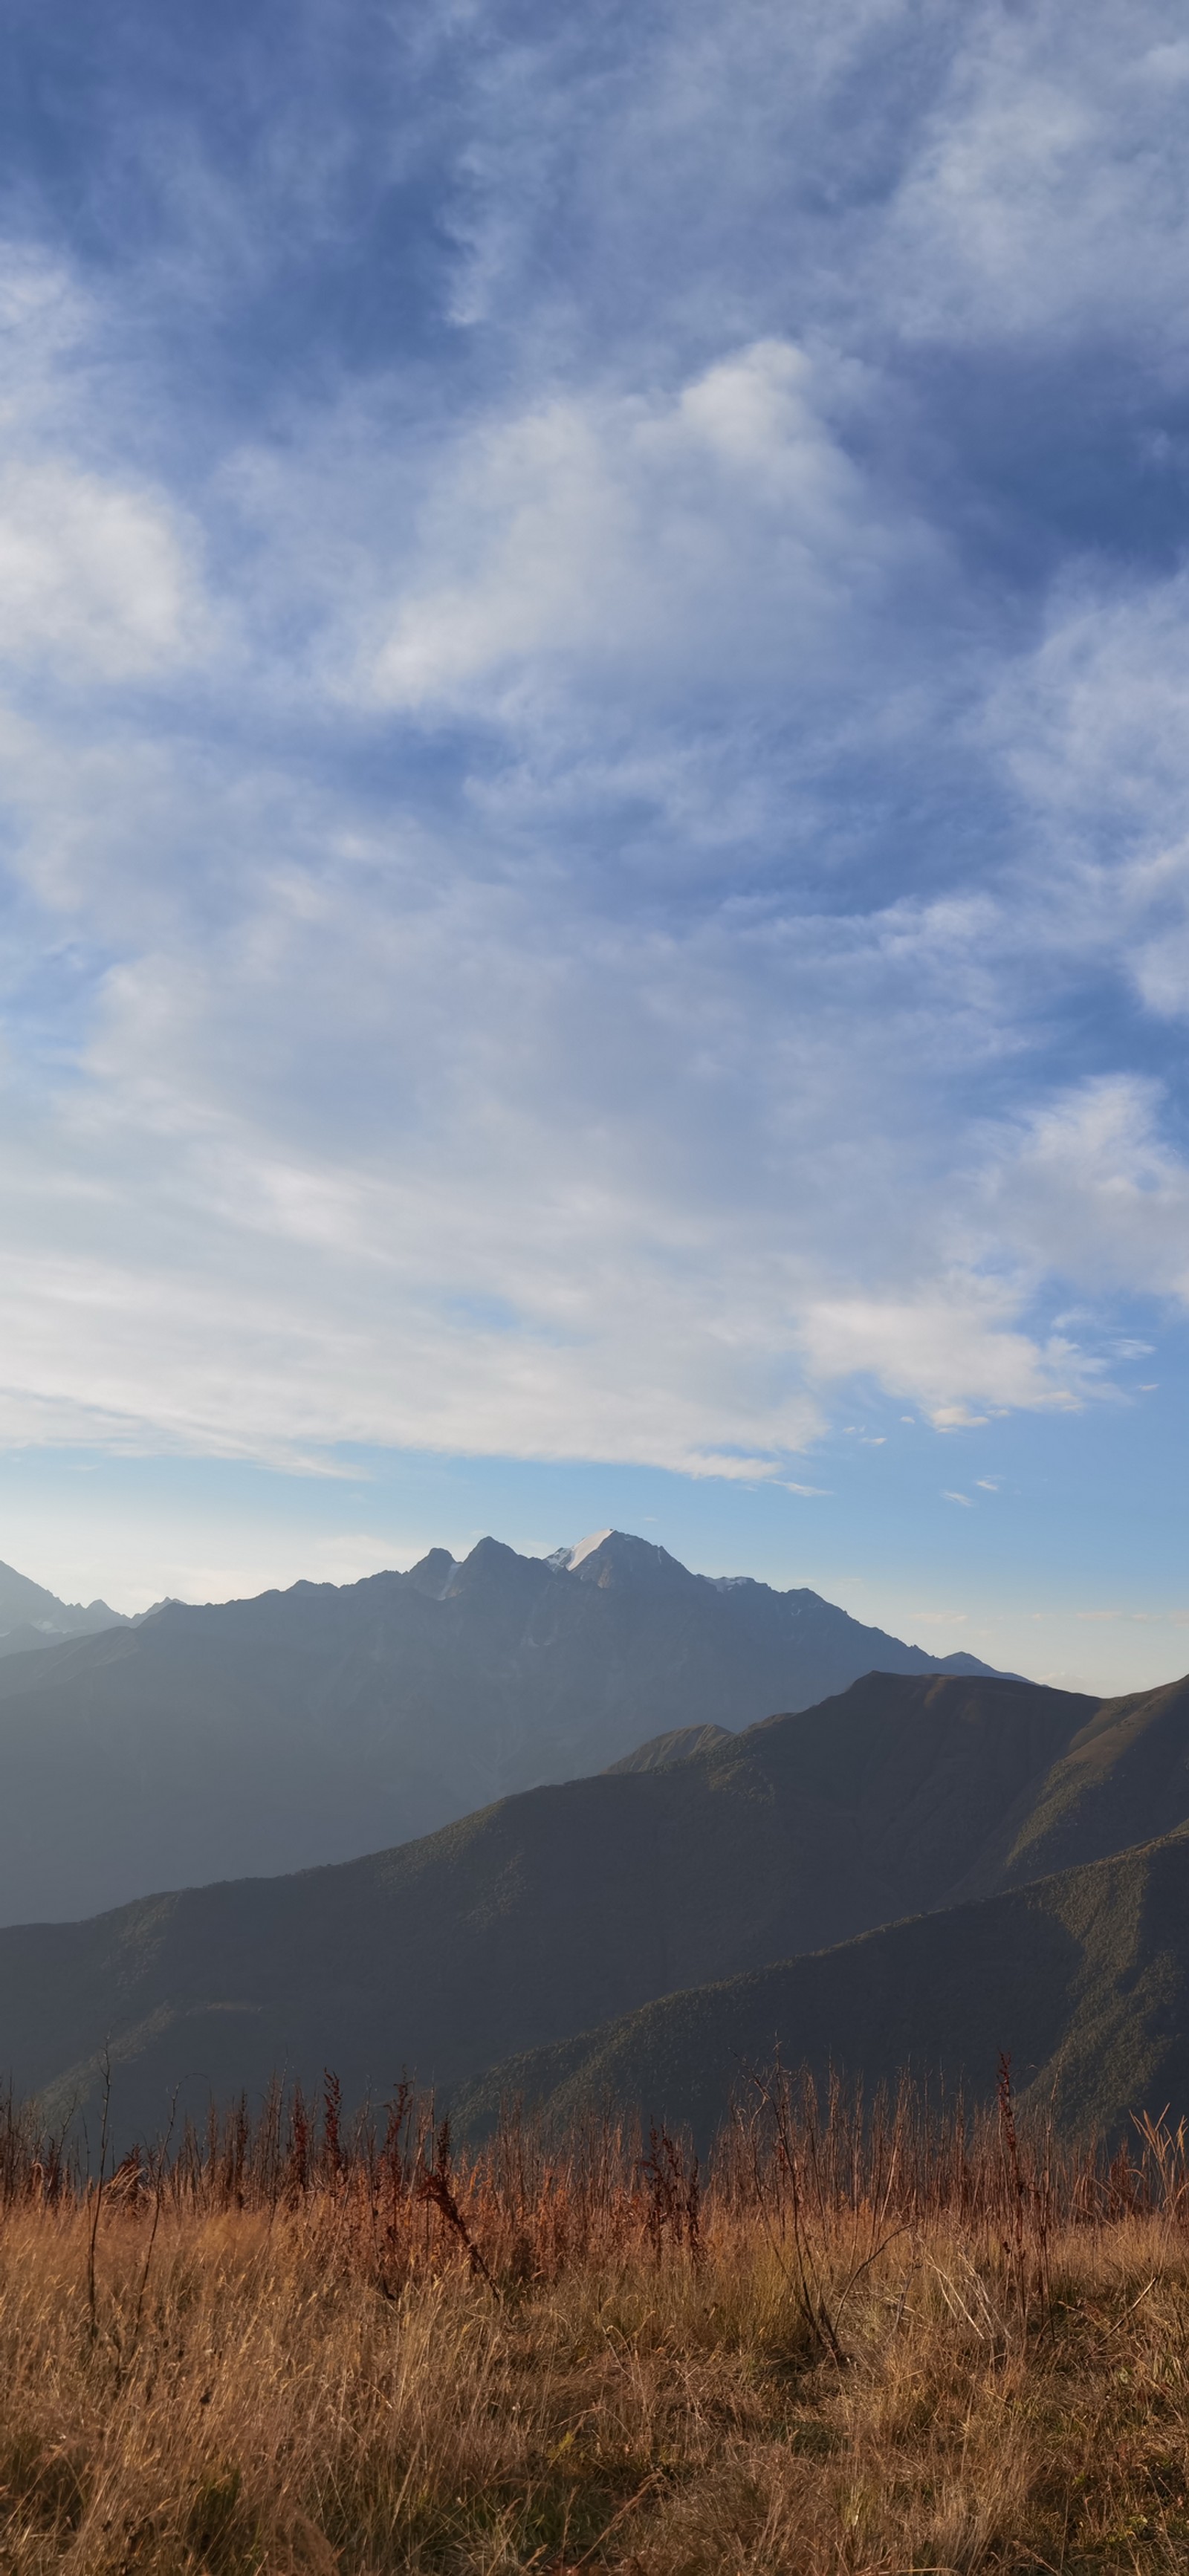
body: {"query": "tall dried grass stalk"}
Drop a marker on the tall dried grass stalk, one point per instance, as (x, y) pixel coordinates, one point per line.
(873, 2337)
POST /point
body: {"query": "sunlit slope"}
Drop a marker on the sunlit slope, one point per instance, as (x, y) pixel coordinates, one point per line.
(1124, 1779)
(1083, 1978)
(679, 1744)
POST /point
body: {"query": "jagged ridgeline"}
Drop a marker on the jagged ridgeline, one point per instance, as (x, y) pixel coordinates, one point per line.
(319, 1723)
(32, 1618)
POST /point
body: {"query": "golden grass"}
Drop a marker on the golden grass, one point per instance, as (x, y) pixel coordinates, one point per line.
(976, 2367)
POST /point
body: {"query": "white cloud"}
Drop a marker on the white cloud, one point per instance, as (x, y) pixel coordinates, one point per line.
(1090, 1190)
(955, 1344)
(648, 544)
(91, 575)
(1039, 195)
(99, 577)
(526, 1000)
(1089, 723)
(510, 1238)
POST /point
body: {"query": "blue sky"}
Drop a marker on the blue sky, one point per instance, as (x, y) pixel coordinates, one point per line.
(596, 851)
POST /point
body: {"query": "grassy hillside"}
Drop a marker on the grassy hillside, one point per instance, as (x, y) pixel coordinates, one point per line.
(541, 1916)
(1083, 1978)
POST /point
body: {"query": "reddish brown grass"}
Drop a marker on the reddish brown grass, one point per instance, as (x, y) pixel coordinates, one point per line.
(881, 2339)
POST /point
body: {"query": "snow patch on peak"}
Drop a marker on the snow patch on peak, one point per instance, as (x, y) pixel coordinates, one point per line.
(574, 1556)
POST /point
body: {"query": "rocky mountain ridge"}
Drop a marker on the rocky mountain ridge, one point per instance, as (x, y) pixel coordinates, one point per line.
(32, 1618)
(316, 1724)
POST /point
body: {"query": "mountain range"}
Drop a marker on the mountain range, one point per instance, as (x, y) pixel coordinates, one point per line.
(316, 1724)
(921, 1868)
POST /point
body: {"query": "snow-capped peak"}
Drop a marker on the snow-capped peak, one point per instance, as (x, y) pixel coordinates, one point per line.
(586, 1547)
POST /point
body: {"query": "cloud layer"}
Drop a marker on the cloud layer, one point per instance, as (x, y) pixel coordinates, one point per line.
(591, 694)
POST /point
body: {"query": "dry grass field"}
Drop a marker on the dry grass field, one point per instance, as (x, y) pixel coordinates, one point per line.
(886, 2342)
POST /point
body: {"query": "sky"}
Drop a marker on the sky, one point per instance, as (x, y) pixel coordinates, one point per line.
(594, 639)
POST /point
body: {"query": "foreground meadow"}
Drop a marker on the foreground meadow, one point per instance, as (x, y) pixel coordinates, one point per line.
(872, 2343)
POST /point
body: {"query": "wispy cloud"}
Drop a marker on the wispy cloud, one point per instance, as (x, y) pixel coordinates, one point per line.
(594, 841)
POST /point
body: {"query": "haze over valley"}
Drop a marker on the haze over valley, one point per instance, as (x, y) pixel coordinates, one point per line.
(571, 1829)
(314, 1724)
(939, 1805)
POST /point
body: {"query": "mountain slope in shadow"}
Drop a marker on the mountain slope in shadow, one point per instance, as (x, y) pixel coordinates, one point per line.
(1082, 1978)
(546, 1913)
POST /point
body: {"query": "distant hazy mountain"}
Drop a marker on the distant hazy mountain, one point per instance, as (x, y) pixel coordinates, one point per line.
(315, 1724)
(31, 1617)
(563, 1908)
